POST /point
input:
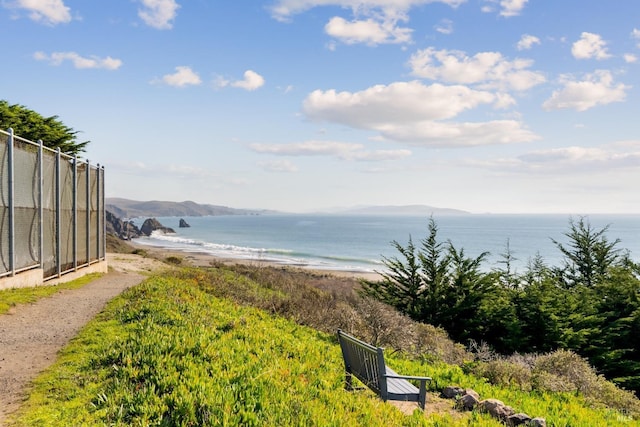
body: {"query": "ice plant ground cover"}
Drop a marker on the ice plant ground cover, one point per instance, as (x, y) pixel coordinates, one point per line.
(178, 350)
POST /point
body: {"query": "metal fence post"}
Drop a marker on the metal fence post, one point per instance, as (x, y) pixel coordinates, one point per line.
(88, 214)
(12, 239)
(98, 216)
(58, 214)
(41, 201)
(74, 187)
(104, 217)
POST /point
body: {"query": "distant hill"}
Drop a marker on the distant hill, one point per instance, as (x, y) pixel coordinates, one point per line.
(413, 210)
(124, 208)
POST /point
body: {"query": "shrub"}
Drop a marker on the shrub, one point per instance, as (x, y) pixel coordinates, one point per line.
(175, 260)
(434, 343)
(505, 372)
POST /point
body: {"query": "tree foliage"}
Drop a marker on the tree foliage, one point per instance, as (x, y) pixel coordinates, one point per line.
(590, 304)
(30, 125)
(589, 255)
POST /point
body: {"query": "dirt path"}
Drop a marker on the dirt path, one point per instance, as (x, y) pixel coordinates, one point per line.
(31, 335)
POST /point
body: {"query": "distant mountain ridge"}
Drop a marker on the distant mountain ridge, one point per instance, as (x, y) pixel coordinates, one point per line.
(402, 210)
(125, 208)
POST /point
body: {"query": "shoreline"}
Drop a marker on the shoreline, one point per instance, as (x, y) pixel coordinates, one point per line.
(204, 259)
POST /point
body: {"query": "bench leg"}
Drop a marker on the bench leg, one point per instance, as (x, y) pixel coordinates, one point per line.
(422, 398)
(348, 385)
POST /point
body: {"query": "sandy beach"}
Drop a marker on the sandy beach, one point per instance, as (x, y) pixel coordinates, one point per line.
(202, 259)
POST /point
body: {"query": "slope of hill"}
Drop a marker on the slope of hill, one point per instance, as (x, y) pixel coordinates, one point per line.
(125, 208)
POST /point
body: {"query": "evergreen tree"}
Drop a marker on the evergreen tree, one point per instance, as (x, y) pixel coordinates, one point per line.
(588, 256)
(32, 126)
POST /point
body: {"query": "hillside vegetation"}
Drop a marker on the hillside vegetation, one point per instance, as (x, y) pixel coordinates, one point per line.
(589, 305)
(247, 345)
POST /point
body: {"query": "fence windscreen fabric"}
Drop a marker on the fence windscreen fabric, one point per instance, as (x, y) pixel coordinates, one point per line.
(51, 209)
(4, 204)
(26, 204)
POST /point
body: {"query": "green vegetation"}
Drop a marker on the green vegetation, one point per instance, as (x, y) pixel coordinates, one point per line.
(117, 245)
(228, 346)
(30, 125)
(590, 305)
(175, 260)
(12, 297)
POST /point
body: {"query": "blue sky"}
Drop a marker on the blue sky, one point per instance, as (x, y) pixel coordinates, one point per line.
(513, 106)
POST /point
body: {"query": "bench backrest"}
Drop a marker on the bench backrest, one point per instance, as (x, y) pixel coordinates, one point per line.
(364, 361)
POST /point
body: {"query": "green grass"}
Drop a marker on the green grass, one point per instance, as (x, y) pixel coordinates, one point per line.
(16, 296)
(170, 353)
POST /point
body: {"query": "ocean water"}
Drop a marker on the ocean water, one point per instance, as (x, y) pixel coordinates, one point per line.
(359, 242)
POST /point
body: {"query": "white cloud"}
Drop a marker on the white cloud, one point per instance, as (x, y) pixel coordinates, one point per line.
(158, 14)
(374, 21)
(590, 46)
(413, 112)
(285, 9)
(279, 166)
(508, 8)
(595, 89)
(57, 58)
(636, 35)
(512, 7)
(398, 102)
(184, 76)
(468, 134)
(340, 150)
(251, 81)
(489, 69)
(49, 12)
(569, 160)
(630, 58)
(219, 82)
(445, 26)
(182, 171)
(527, 41)
(367, 31)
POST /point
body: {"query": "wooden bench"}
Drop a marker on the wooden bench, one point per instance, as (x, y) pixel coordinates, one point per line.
(366, 363)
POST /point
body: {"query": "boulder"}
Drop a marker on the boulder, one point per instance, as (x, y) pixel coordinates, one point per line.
(125, 230)
(467, 402)
(183, 224)
(472, 392)
(497, 409)
(538, 422)
(151, 224)
(451, 392)
(518, 419)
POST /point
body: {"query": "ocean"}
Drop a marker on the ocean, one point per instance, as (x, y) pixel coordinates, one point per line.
(358, 243)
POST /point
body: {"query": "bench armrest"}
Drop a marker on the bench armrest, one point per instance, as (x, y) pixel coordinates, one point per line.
(407, 377)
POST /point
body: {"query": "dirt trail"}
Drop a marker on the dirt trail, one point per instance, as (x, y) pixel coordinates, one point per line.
(31, 335)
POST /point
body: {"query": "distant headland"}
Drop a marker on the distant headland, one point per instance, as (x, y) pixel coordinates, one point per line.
(125, 208)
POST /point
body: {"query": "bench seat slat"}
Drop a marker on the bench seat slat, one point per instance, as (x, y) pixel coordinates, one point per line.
(400, 386)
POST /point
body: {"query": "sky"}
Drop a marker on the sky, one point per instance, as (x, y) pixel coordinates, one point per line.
(500, 106)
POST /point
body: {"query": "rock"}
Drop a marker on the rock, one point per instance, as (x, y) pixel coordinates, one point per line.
(538, 422)
(467, 402)
(472, 392)
(497, 409)
(451, 392)
(151, 224)
(125, 230)
(518, 419)
(183, 224)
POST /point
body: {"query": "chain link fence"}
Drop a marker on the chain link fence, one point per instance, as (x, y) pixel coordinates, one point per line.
(52, 212)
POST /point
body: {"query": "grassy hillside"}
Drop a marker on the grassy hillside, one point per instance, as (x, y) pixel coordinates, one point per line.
(178, 351)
